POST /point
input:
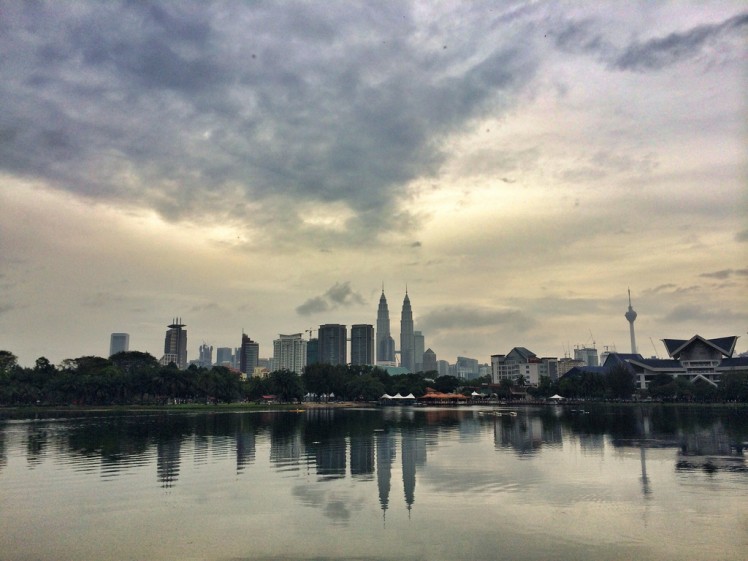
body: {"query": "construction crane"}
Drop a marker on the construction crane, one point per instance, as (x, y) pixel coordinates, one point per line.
(310, 331)
(654, 347)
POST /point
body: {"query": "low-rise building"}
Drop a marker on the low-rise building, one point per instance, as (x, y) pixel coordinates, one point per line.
(523, 362)
(693, 359)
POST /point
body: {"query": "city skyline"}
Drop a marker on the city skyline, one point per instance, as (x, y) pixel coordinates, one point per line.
(360, 344)
(272, 167)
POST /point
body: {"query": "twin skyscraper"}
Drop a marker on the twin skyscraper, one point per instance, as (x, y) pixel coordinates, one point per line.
(386, 344)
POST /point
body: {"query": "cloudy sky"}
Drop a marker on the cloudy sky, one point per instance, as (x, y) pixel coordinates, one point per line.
(267, 166)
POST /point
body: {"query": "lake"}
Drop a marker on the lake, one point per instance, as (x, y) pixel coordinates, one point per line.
(588, 482)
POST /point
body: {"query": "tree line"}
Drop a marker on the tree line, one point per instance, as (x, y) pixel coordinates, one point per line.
(619, 383)
(138, 378)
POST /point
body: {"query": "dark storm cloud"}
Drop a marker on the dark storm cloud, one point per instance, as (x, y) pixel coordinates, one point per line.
(587, 37)
(338, 295)
(342, 294)
(581, 37)
(725, 274)
(671, 288)
(675, 47)
(662, 288)
(313, 306)
(229, 109)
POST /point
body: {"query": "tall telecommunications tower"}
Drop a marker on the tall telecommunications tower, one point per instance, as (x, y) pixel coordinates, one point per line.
(631, 317)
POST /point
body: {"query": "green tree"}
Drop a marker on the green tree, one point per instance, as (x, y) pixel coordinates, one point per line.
(546, 388)
(620, 381)
(134, 362)
(405, 384)
(684, 389)
(286, 385)
(733, 386)
(8, 361)
(255, 387)
(505, 388)
(228, 384)
(447, 384)
(662, 386)
(206, 383)
(44, 367)
(327, 378)
(365, 387)
(94, 378)
(703, 390)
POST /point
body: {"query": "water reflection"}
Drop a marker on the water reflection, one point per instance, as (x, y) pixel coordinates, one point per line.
(386, 454)
(526, 432)
(363, 444)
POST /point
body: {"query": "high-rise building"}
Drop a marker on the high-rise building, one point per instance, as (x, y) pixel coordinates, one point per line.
(224, 356)
(289, 353)
(587, 355)
(206, 356)
(466, 368)
(419, 343)
(631, 318)
(429, 361)
(442, 367)
(119, 343)
(385, 342)
(312, 351)
(333, 339)
(175, 344)
(249, 355)
(362, 344)
(407, 355)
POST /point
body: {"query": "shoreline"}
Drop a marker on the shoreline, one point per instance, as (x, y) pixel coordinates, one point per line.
(300, 407)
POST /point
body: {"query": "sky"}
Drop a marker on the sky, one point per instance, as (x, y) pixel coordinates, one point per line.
(268, 167)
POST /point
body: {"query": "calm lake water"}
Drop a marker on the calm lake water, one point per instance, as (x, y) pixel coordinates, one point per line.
(394, 483)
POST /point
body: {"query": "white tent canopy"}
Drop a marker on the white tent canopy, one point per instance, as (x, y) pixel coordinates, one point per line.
(397, 396)
(556, 397)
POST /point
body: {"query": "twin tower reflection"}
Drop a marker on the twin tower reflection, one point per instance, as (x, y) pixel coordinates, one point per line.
(326, 442)
(387, 447)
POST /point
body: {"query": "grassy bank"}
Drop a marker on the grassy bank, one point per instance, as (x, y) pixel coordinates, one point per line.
(178, 408)
(257, 407)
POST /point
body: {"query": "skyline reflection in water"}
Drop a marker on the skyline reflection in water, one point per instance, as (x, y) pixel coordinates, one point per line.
(452, 468)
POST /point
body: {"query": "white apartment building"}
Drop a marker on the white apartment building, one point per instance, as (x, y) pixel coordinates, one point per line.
(289, 353)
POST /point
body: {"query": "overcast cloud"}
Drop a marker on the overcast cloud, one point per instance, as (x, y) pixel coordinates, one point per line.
(518, 164)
